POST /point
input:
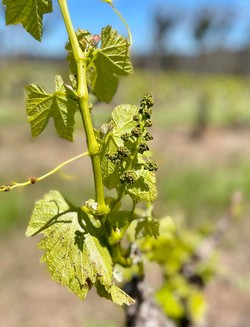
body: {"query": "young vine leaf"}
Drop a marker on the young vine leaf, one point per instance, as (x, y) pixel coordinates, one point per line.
(144, 188)
(106, 62)
(164, 248)
(110, 171)
(115, 169)
(60, 106)
(29, 13)
(75, 250)
(147, 227)
(115, 294)
(110, 60)
(122, 122)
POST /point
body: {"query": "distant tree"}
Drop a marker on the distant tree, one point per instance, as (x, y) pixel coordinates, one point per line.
(164, 23)
(211, 27)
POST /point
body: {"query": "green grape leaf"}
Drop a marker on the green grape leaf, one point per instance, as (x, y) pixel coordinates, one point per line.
(75, 250)
(109, 61)
(144, 188)
(104, 82)
(61, 106)
(110, 171)
(170, 302)
(105, 63)
(196, 305)
(122, 122)
(115, 294)
(115, 48)
(120, 297)
(147, 227)
(29, 13)
(120, 218)
(160, 250)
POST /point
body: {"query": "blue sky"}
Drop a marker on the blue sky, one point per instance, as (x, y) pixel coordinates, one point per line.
(94, 14)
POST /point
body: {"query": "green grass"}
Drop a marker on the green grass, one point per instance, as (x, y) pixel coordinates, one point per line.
(201, 193)
(11, 206)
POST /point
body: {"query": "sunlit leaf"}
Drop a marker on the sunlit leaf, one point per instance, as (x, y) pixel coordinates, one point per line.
(170, 302)
(110, 171)
(144, 188)
(115, 294)
(147, 227)
(74, 248)
(29, 13)
(122, 122)
(114, 47)
(60, 106)
(110, 60)
(196, 306)
(104, 82)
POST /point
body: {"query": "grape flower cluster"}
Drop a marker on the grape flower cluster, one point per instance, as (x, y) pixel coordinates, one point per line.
(135, 143)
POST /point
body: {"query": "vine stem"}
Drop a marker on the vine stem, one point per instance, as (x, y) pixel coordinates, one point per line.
(83, 96)
(33, 180)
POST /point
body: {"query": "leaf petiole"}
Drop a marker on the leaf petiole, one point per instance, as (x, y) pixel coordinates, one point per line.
(33, 180)
(124, 22)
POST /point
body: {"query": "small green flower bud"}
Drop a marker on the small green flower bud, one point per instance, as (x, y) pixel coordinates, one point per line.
(148, 123)
(147, 112)
(150, 165)
(136, 118)
(114, 158)
(128, 177)
(90, 106)
(143, 147)
(147, 101)
(117, 161)
(123, 152)
(148, 137)
(141, 110)
(125, 137)
(109, 156)
(136, 131)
